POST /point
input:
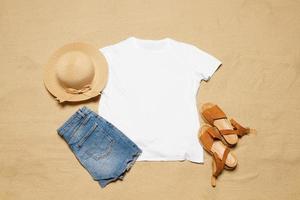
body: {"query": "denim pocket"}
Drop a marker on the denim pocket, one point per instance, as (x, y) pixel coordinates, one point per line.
(85, 137)
(75, 132)
(96, 144)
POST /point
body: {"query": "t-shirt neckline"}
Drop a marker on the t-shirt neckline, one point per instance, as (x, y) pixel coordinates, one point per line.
(139, 42)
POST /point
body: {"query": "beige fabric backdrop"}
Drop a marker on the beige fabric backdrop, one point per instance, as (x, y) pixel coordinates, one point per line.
(258, 42)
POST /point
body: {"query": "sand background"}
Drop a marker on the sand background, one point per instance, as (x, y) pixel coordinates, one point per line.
(258, 84)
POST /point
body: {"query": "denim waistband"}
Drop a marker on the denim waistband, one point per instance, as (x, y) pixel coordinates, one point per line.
(83, 111)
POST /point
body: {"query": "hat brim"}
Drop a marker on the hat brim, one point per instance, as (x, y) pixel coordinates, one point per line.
(99, 81)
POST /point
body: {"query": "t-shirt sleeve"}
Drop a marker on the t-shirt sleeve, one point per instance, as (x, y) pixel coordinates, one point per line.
(106, 53)
(203, 64)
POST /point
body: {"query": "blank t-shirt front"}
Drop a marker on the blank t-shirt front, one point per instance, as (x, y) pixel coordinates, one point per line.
(151, 95)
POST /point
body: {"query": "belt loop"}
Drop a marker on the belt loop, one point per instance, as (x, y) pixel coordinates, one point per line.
(86, 119)
(81, 113)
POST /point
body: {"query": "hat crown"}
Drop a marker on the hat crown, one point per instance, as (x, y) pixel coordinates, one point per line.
(74, 69)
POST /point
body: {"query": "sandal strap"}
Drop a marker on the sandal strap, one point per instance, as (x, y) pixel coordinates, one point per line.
(219, 167)
(214, 133)
(225, 155)
(241, 131)
(220, 164)
(208, 136)
(213, 113)
(228, 131)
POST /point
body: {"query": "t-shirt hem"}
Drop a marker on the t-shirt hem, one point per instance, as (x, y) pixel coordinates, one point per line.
(174, 158)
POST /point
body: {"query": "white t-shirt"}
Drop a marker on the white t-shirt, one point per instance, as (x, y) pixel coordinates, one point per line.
(151, 95)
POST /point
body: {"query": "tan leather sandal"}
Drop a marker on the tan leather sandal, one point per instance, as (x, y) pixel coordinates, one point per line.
(222, 157)
(229, 130)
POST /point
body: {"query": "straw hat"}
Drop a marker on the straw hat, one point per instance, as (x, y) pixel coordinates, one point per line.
(76, 72)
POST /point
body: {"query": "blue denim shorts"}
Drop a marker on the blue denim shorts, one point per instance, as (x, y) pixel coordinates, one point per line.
(103, 150)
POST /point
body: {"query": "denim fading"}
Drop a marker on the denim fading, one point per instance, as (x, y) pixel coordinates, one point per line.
(103, 150)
